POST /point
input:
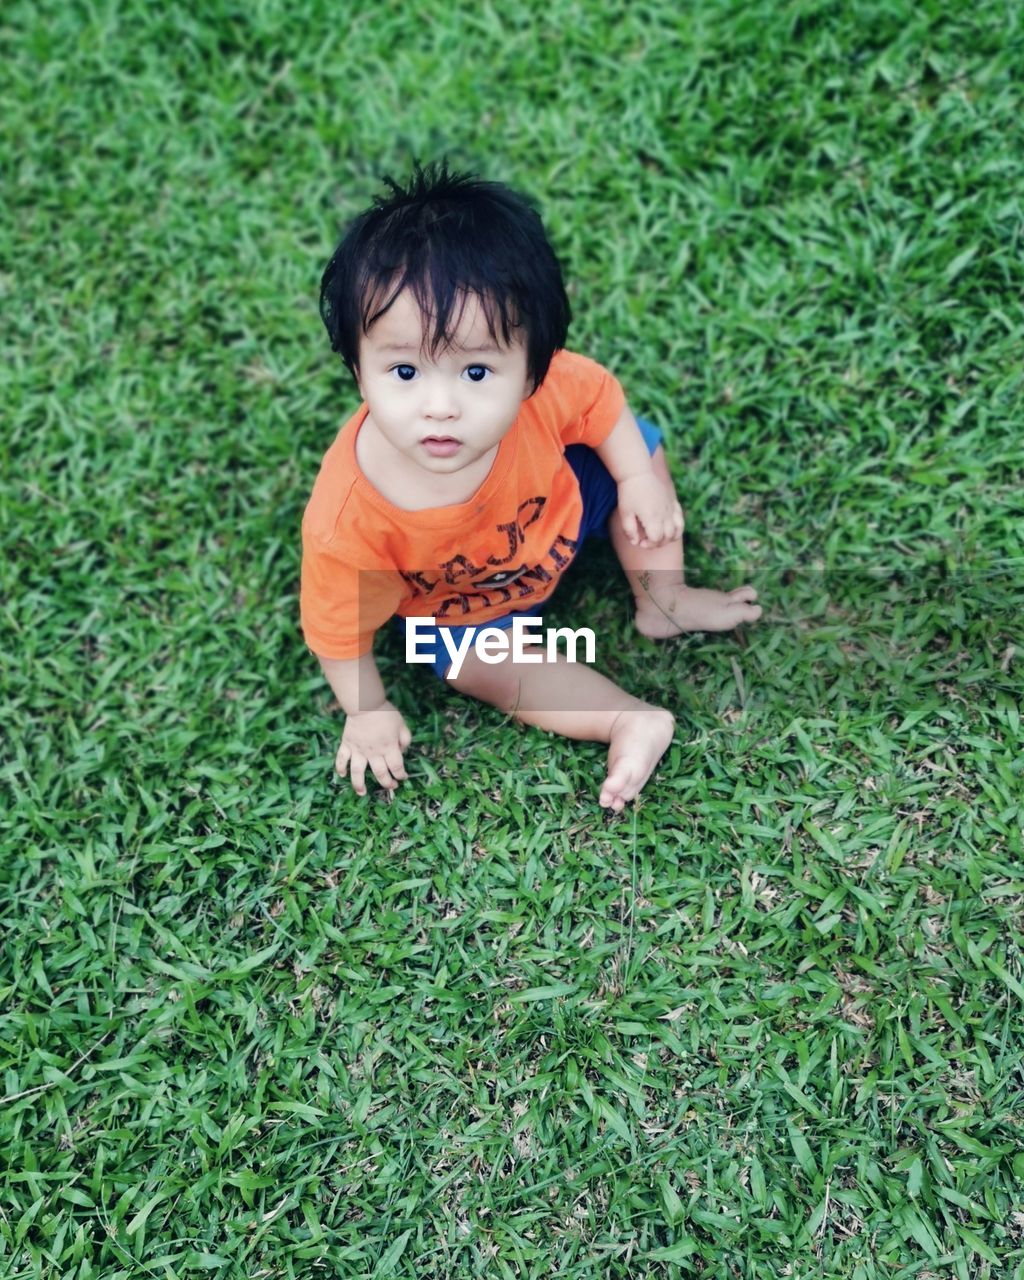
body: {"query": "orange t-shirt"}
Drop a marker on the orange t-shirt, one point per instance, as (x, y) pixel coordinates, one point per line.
(365, 560)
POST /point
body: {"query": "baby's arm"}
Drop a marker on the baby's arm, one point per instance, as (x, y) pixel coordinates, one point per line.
(375, 733)
(650, 512)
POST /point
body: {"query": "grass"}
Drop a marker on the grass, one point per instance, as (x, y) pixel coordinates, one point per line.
(768, 1021)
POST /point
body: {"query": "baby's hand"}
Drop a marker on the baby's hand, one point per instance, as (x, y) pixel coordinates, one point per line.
(375, 738)
(649, 510)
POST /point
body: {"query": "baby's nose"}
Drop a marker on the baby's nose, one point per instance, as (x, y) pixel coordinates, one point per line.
(440, 402)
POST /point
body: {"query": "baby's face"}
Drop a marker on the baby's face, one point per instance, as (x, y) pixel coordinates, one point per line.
(442, 413)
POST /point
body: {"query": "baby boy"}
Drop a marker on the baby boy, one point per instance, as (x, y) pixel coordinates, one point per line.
(482, 457)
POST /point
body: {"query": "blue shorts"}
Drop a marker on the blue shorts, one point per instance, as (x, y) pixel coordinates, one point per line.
(600, 496)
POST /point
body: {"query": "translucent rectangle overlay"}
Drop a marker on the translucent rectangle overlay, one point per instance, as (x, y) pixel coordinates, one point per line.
(857, 633)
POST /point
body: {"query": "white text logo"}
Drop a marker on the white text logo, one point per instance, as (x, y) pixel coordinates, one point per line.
(493, 644)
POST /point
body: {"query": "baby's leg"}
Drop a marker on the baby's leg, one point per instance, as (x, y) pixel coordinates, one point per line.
(665, 606)
(576, 701)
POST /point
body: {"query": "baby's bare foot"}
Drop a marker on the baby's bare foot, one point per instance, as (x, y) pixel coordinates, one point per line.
(667, 611)
(639, 740)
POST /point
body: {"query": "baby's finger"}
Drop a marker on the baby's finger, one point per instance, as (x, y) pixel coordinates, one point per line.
(341, 760)
(393, 760)
(404, 737)
(382, 773)
(629, 524)
(357, 772)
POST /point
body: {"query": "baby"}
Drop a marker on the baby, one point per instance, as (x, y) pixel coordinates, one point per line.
(482, 457)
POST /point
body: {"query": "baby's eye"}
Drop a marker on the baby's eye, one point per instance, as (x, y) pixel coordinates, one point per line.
(405, 371)
(477, 372)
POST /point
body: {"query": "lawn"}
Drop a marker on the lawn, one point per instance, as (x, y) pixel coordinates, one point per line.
(765, 1023)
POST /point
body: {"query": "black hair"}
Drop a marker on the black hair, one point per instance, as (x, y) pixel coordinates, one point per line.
(446, 237)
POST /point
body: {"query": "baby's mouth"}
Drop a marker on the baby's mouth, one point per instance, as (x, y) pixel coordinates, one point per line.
(441, 446)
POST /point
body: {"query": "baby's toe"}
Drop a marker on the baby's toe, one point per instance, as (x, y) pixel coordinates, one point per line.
(615, 788)
(609, 798)
(620, 786)
(747, 593)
